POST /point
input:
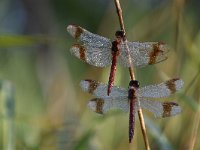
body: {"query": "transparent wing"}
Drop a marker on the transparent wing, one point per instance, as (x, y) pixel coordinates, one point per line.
(101, 106)
(99, 90)
(160, 109)
(88, 38)
(161, 90)
(99, 57)
(95, 50)
(143, 54)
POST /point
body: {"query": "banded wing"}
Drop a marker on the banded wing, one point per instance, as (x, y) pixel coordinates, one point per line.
(117, 99)
(161, 90)
(99, 57)
(88, 38)
(95, 49)
(99, 90)
(160, 109)
(143, 54)
(101, 106)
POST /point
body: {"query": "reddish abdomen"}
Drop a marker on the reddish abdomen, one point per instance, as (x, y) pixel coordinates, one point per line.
(131, 120)
(112, 73)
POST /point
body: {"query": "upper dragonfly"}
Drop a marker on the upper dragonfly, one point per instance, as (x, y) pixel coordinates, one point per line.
(133, 98)
(101, 52)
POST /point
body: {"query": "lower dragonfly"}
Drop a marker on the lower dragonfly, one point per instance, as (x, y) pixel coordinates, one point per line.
(133, 98)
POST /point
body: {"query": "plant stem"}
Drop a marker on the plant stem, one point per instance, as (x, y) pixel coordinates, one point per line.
(195, 127)
(132, 75)
(8, 111)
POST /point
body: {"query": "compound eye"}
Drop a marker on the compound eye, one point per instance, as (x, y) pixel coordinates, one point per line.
(137, 84)
(134, 83)
(119, 34)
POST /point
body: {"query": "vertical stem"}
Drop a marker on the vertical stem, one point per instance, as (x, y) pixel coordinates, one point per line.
(132, 75)
(119, 12)
(8, 111)
(143, 128)
(179, 6)
(194, 134)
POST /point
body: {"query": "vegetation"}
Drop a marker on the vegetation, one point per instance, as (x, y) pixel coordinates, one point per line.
(46, 108)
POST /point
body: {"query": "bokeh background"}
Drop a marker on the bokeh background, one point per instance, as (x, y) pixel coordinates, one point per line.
(42, 106)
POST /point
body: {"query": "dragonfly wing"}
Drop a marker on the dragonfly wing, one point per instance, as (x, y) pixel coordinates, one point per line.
(95, 50)
(160, 109)
(101, 106)
(99, 90)
(161, 90)
(88, 38)
(99, 57)
(142, 54)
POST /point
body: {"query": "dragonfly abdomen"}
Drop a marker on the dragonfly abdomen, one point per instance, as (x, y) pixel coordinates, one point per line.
(131, 119)
(132, 96)
(115, 54)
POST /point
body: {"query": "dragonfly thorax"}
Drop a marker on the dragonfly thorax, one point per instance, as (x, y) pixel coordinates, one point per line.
(115, 46)
(132, 89)
(132, 94)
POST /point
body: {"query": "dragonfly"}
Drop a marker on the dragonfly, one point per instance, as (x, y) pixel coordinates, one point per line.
(100, 51)
(133, 98)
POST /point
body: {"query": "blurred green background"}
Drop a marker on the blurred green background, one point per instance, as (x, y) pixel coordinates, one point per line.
(42, 106)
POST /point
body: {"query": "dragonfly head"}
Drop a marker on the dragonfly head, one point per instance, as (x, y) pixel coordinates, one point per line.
(134, 84)
(119, 35)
